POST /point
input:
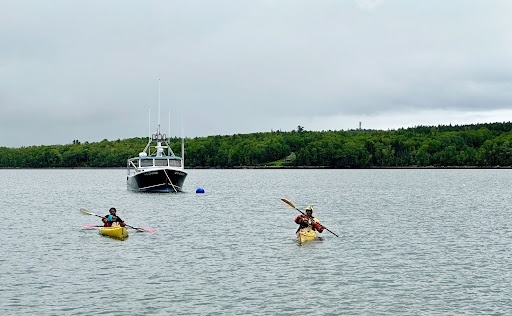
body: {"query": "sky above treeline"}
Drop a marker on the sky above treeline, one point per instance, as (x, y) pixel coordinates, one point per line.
(91, 69)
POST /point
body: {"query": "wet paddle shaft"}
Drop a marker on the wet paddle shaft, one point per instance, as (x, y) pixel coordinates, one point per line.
(293, 206)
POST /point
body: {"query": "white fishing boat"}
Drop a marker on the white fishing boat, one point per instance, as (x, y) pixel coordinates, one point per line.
(157, 168)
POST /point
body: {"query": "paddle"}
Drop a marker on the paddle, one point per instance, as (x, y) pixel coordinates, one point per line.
(293, 206)
(139, 229)
(90, 226)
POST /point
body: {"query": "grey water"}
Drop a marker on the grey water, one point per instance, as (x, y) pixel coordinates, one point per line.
(411, 242)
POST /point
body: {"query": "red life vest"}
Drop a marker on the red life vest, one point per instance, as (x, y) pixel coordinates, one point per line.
(318, 226)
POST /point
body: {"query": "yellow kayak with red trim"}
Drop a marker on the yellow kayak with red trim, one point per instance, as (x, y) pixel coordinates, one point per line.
(117, 232)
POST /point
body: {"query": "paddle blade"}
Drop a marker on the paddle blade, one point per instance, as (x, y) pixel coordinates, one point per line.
(86, 212)
(143, 229)
(288, 202)
(90, 226)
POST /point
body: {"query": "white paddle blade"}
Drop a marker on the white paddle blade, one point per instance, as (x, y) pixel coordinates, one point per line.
(87, 212)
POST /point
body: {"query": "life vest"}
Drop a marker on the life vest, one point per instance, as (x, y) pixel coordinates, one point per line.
(108, 221)
(303, 221)
(317, 226)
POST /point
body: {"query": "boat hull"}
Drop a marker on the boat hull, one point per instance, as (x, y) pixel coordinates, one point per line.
(116, 232)
(305, 235)
(163, 180)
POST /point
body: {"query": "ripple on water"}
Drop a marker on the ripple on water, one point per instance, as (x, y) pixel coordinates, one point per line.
(411, 242)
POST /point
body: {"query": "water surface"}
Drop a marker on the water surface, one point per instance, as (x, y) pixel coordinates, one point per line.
(411, 242)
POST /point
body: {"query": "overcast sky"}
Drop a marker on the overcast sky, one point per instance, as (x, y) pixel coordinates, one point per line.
(90, 70)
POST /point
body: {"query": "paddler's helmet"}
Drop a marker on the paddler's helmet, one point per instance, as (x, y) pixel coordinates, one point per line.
(309, 208)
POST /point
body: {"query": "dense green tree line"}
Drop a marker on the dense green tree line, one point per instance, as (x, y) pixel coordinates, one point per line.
(477, 145)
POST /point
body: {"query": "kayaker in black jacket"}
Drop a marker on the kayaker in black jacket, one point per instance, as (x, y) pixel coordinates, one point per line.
(307, 220)
(111, 218)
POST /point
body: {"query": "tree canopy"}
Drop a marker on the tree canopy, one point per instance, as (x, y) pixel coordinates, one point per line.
(476, 145)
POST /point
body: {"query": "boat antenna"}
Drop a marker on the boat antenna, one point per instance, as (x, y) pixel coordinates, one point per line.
(169, 150)
(182, 144)
(158, 131)
(149, 125)
(169, 132)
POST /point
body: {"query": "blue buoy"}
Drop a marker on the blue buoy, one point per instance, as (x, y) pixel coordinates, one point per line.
(199, 190)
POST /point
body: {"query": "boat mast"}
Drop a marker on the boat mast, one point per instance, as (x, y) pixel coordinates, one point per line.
(182, 145)
(158, 130)
(147, 149)
(168, 139)
(158, 137)
(169, 150)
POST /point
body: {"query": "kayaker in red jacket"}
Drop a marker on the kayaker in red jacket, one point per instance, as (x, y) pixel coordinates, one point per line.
(307, 220)
(111, 218)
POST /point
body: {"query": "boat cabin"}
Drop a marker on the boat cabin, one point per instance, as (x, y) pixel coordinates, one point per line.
(162, 161)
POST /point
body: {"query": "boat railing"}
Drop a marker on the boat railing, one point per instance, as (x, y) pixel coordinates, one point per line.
(139, 164)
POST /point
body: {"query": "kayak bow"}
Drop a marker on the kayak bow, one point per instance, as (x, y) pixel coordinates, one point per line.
(117, 232)
(305, 234)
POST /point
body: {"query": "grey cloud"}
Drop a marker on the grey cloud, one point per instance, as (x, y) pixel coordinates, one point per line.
(92, 67)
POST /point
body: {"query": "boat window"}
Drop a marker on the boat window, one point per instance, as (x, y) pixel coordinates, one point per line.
(175, 163)
(146, 162)
(161, 162)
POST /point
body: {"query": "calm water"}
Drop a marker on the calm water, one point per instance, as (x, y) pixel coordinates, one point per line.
(429, 242)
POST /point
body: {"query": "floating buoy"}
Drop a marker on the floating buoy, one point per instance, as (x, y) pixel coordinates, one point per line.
(199, 190)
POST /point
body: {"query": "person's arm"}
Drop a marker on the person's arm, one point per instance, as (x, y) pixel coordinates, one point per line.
(317, 226)
(121, 222)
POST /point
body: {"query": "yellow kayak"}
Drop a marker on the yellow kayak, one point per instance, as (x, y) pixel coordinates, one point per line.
(117, 232)
(306, 234)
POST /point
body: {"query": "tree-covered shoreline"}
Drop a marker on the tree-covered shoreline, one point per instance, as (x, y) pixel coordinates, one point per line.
(445, 146)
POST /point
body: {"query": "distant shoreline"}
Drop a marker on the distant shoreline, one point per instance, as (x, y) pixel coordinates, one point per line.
(278, 167)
